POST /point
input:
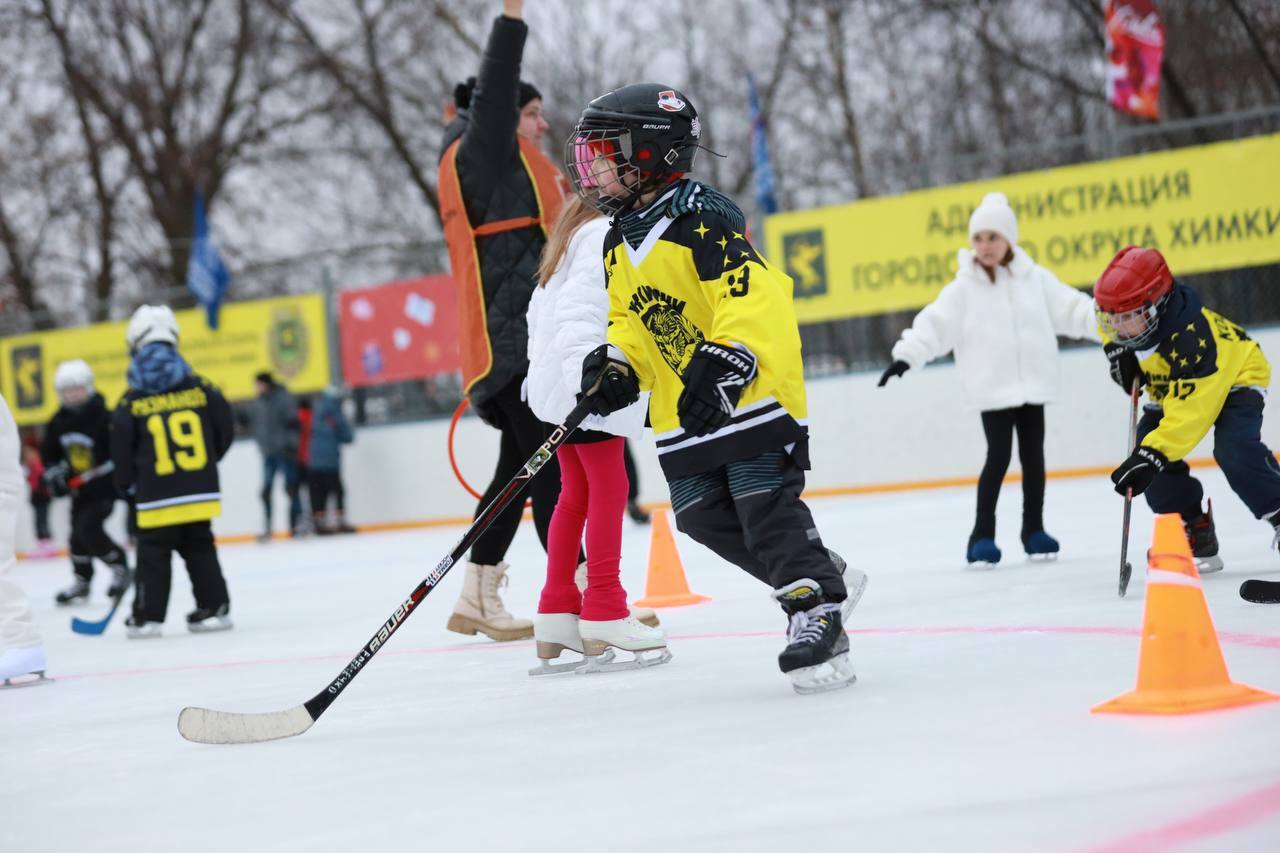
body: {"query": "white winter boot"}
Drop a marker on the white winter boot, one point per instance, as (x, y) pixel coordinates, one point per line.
(647, 645)
(645, 615)
(480, 609)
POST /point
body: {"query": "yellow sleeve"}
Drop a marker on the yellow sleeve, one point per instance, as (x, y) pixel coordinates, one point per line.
(1202, 363)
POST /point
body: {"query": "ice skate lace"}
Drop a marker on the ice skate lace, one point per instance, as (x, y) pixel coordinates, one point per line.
(807, 625)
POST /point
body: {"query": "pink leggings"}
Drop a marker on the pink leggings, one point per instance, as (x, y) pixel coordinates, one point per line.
(593, 485)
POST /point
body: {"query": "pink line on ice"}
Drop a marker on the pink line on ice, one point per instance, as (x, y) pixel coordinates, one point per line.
(1225, 817)
(1260, 641)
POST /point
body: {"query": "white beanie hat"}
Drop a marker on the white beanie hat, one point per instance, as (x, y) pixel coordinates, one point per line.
(994, 214)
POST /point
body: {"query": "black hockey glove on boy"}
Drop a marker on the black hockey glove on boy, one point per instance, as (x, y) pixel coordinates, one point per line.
(56, 480)
(1139, 470)
(713, 384)
(898, 368)
(1124, 366)
(608, 381)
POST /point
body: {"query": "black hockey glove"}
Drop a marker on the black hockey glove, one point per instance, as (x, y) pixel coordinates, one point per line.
(1139, 470)
(608, 381)
(896, 369)
(1124, 366)
(713, 383)
(56, 480)
(488, 411)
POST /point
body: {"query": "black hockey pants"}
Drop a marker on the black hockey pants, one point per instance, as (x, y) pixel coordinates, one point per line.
(750, 513)
(194, 543)
(999, 426)
(89, 539)
(1247, 463)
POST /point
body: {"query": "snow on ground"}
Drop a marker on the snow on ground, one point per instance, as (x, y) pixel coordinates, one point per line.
(969, 727)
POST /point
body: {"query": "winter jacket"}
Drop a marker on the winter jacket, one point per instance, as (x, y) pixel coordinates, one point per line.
(1004, 333)
(330, 429)
(495, 185)
(274, 419)
(568, 319)
(81, 438)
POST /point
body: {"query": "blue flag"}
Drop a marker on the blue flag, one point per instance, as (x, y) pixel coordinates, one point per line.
(760, 153)
(207, 276)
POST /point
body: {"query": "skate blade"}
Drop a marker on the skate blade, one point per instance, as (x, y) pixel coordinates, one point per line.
(1043, 558)
(1209, 565)
(854, 595)
(830, 675)
(205, 627)
(643, 659)
(546, 667)
(980, 565)
(18, 681)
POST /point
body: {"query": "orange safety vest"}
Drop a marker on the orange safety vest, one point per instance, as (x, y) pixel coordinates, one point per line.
(550, 188)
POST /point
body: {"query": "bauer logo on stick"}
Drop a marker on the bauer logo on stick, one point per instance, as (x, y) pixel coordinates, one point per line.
(670, 101)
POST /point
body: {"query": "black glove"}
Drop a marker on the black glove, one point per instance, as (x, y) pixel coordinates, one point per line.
(1139, 470)
(1124, 366)
(488, 411)
(56, 480)
(608, 381)
(896, 369)
(713, 383)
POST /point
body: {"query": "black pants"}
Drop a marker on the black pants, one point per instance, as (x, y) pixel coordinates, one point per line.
(1250, 468)
(750, 514)
(999, 426)
(194, 543)
(323, 484)
(89, 539)
(41, 512)
(633, 476)
(522, 434)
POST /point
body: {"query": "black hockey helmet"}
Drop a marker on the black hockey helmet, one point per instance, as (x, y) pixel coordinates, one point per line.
(631, 140)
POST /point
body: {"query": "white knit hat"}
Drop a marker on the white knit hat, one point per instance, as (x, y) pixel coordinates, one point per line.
(994, 214)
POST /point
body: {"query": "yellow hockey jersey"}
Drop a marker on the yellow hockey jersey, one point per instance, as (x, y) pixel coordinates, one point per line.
(691, 278)
(1200, 359)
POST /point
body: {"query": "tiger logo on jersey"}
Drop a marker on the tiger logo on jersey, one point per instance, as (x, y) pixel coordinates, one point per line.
(663, 315)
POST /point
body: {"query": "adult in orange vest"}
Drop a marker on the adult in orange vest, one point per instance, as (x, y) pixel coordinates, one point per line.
(499, 196)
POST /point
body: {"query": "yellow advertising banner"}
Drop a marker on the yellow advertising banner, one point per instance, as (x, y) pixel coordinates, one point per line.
(1205, 208)
(285, 336)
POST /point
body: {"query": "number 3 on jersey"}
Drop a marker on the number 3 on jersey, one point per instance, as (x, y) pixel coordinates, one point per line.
(184, 428)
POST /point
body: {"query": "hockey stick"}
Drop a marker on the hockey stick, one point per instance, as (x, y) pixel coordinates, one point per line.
(93, 629)
(92, 474)
(1261, 592)
(1126, 570)
(205, 726)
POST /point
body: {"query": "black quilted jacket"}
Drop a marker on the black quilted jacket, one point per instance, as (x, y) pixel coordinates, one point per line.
(495, 186)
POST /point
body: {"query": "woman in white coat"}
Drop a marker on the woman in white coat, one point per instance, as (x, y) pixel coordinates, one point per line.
(1001, 315)
(568, 316)
(21, 652)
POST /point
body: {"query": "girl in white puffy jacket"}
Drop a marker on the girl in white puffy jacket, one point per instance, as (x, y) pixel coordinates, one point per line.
(1001, 315)
(568, 315)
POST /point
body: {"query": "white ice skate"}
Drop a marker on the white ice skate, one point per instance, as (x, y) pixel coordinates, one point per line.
(648, 646)
(24, 667)
(554, 634)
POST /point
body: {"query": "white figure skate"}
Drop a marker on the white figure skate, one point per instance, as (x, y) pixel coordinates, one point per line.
(24, 667)
(554, 634)
(648, 646)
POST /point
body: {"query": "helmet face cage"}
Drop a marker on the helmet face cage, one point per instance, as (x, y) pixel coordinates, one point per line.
(1135, 328)
(599, 164)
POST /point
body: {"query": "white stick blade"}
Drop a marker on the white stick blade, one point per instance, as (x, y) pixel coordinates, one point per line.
(204, 726)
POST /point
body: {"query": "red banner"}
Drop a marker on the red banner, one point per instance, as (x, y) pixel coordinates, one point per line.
(399, 331)
(1135, 47)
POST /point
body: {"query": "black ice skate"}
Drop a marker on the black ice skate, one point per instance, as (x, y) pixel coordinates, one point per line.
(121, 577)
(77, 593)
(816, 658)
(137, 628)
(1204, 542)
(203, 621)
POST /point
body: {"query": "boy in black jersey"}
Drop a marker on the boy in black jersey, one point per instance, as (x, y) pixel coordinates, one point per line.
(75, 453)
(168, 434)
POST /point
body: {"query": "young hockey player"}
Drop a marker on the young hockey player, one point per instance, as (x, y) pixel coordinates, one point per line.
(76, 455)
(1002, 315)
(567, 319)
(698, 318)
(168, 434)
(22, 654)
(1200, 370)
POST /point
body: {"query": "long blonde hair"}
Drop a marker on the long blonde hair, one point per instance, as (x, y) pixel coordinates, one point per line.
(573, 216)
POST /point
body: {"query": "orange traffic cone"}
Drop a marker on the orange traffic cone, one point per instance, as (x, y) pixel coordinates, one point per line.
(666, 585)
(1180, 665)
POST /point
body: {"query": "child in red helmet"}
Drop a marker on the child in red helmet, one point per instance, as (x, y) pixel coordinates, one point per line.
(1200, 370)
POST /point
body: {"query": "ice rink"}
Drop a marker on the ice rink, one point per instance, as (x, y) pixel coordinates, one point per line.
(968, 730)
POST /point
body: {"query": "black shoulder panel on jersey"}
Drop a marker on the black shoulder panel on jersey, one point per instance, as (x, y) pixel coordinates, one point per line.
(718, 244)
(1190, 349)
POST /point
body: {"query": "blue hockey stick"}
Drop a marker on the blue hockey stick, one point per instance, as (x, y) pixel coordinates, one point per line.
(93, 629)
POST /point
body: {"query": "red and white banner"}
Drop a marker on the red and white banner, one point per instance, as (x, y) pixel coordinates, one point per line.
(1135, 48)
(399, 331)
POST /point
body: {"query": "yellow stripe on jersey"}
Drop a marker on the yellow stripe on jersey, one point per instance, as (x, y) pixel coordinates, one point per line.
(179, 514)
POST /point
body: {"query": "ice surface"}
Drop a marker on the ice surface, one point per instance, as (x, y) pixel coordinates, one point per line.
(968, 728)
